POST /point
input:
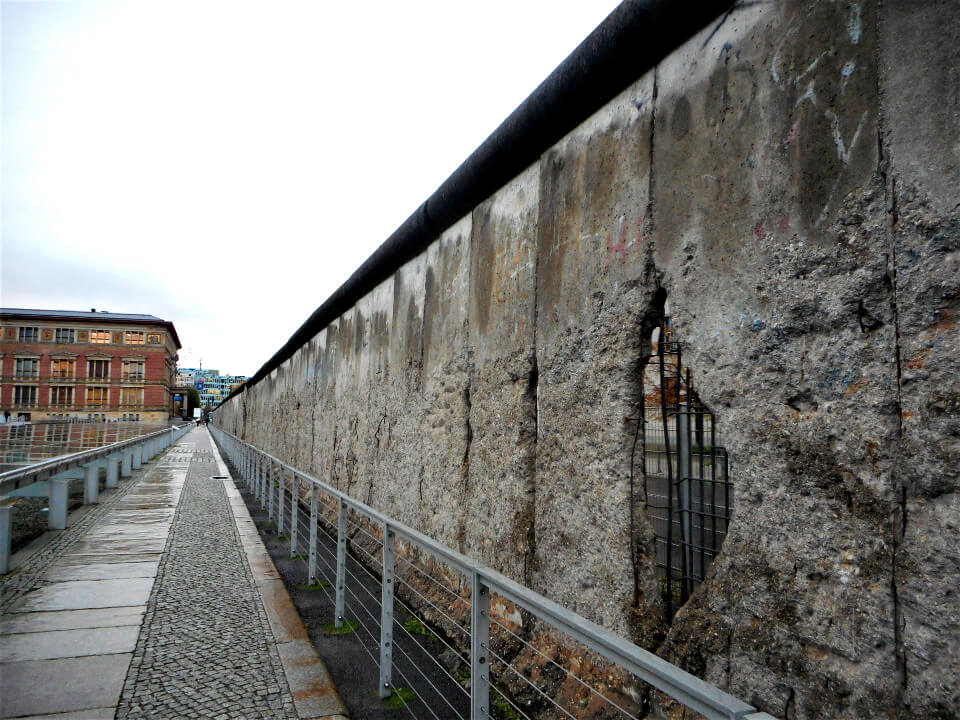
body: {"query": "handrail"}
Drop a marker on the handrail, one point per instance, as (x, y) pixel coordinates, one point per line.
(120, 458)
(12, 479)
(691, 691)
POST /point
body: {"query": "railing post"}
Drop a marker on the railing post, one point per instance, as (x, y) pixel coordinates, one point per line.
(341, 560)
(91, 484)
(137, 456)
(57, 492)
(270, 481)
(258, 476)
(4, 539)
(126, 463)
(281, 492)
(113, 471)
(480, 650)
(262, 490)
(386, 613)
(294, 506)
(312, 552)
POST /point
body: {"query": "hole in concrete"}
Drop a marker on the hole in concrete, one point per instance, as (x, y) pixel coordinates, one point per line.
(688, 490)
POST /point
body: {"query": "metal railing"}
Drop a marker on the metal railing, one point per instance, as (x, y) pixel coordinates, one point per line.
(118, 459)
(506, 650)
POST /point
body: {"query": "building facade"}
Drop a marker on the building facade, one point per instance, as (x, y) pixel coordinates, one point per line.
(212, 386)
(60, 364)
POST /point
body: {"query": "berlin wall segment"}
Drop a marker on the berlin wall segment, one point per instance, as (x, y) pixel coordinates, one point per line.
(790, 180)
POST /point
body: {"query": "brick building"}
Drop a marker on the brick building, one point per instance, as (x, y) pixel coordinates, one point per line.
(58, 364)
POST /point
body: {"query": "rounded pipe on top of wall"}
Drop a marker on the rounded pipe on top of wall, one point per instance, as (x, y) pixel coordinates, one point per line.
(636, 36)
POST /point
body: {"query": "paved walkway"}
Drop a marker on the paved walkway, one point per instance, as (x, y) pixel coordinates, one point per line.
(165, 605)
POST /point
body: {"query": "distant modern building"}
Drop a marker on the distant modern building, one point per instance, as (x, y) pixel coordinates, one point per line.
(62, 364)
(212, 386)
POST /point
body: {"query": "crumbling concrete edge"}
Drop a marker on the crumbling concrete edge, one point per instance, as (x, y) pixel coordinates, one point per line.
(314, 695)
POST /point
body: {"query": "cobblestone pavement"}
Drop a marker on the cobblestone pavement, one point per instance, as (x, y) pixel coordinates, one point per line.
(29, 575)
(205, 648)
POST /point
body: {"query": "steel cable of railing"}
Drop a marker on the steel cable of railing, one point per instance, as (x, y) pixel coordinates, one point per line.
(437, 662)
(410, 684)
(441, 612)
(563, 669)
(362, 523)
(436, 582)
(413, 614)
(509, 701)
(520, 675)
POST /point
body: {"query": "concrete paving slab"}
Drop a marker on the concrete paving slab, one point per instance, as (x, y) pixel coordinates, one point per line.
(313, 693)
(68, 643)
(71, 619)
(87, 558)
(87, 594)
(120, 545)
(63, 685)
(102, 571)
(281, 614)
(91, 714)
(136, 516)
(128, 535)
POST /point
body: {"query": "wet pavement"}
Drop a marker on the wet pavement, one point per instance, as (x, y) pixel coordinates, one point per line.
(158, 604)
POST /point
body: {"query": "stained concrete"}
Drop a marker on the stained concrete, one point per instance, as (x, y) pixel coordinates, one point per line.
(788, 181)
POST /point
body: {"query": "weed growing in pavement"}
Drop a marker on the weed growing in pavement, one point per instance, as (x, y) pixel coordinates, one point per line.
(316, 585)
(400, 697)
(348, 627)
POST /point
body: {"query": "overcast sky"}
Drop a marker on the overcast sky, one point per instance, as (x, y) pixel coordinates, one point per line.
(228, 165)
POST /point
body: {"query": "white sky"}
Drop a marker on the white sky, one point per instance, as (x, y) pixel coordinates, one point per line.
(227, 165)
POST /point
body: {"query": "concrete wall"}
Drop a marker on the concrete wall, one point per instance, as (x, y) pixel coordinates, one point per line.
(791, 181)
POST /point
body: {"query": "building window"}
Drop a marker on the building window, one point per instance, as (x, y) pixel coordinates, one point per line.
(133, 370)
(29, 335)
(98, 368)
(153, 339)
(98, 396)
(131, 337)
(63, 368)
(66, 335)
(24, 395)
(131, 397)
(100, 337)
(61, 395)
(27, 367)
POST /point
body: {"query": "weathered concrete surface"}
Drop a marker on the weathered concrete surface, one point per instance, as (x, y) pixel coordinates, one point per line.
(789, 183)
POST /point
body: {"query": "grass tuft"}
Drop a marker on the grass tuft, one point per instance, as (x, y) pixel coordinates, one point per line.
(415, 627)
(315, 585)
(348, 627)
(400, 697)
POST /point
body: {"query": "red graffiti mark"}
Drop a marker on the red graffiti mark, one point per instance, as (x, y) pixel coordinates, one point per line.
(758, 230)
(621, 248)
